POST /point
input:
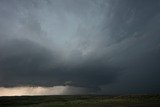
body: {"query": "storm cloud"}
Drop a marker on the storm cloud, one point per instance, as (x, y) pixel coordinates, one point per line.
(106, 46)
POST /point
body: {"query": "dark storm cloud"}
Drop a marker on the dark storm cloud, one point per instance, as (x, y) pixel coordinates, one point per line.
(25, 63)
(112, 45)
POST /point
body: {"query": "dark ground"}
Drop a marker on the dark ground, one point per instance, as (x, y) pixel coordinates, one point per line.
(82, 101)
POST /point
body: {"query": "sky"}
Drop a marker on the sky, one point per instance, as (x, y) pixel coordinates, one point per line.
(79, 47)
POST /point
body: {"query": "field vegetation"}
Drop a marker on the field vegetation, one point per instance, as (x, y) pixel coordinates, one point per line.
(79, 101)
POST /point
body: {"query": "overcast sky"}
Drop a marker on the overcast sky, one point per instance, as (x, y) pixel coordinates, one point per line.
(101, 46)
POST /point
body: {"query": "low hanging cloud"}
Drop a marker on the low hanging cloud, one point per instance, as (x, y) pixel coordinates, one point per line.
(30, 91)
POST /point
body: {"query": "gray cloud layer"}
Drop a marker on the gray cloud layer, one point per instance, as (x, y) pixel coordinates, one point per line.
(112, 45)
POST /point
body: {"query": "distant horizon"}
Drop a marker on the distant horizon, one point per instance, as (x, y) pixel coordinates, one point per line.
(55, 90)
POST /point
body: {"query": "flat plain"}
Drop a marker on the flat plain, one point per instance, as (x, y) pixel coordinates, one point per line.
(82, 101)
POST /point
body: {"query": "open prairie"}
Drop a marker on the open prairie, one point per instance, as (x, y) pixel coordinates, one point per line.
(81, 101)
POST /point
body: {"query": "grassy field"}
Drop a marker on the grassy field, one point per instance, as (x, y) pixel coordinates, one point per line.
(79, 101)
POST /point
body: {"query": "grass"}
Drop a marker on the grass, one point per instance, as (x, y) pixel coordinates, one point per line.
(77, 100)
